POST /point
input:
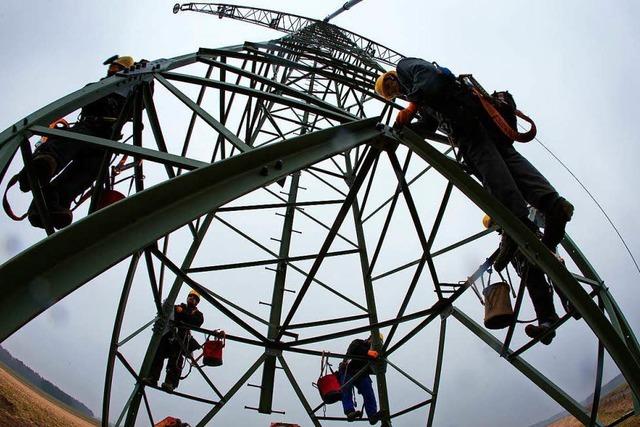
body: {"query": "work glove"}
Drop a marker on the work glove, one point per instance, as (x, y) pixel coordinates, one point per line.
(405, 116)
(373, 354)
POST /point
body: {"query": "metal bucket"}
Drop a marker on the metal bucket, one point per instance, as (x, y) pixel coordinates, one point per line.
(498, 312)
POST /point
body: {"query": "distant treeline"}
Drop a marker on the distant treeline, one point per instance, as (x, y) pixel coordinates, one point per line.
(37, 381)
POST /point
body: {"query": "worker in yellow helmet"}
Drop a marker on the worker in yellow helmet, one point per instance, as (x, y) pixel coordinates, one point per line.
(442, 101)
(75, 163)
(540, 292)
(176, 343)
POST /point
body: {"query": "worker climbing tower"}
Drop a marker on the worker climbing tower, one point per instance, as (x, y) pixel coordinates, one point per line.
(267, 178)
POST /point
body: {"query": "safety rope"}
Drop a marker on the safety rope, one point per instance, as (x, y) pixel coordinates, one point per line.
(5, 200)
(592, 197)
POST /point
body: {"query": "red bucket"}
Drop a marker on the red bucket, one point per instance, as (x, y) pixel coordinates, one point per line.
(329, 388)
(109, 197)
(212, 352)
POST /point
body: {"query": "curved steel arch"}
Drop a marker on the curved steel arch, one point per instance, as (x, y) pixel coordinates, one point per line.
(318, 90)
(63, 262)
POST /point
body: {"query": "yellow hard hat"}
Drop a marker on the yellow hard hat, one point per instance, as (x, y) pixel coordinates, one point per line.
(379, 334)
(487, 221)
(380, 84)
(124, 61)
(194, 293)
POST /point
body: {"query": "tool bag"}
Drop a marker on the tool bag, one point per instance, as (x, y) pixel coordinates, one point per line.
(212, 350)
(498, 313)
(171, 422)
(328, 382)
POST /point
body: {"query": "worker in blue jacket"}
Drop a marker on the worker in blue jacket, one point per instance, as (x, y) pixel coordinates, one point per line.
(355, 372)
(443, 102)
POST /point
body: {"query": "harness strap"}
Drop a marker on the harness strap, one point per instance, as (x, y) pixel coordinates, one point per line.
(5, 201)
(502, 123)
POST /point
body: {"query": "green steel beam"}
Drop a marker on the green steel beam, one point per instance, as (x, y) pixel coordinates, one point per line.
(610, 305)
(113, 347)
(266, 262)
(399, 190)
(298, 390)
(121, 82)
(167, 308)
(281, 88)
(277, 298)
(58, 265)
(208, 118)
(328, 321)
(365, 268)
(152, 114)
(291, 265)
(118, 147)
(535, 251)
(205, 420)
(618, 319)
(244, 90)
(436, 380)
(556, 393)
(328, 240)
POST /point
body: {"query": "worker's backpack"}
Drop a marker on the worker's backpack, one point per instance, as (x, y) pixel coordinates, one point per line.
(501, 111)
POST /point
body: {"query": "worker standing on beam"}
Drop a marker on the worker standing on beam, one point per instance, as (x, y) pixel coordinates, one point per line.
(175, 343)
(355, 372)
(445, 102)
(75, 163)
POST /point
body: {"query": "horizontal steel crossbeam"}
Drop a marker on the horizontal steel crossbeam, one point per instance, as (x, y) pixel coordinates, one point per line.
(46, 272)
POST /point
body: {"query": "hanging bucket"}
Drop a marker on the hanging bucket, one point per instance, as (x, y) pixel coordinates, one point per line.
(169, 422)
(212, 351)
(109, 197)
(498, 313)
(329, 388)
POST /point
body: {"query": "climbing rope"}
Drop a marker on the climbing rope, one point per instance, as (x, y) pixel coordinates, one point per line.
(624, 243)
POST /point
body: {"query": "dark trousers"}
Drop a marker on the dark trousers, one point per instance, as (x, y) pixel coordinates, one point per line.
(168, 349)
(504, 172)
(364, 385)
(78, 161)
(540, 291)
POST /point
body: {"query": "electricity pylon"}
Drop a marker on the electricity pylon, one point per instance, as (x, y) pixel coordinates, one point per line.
(264, 117)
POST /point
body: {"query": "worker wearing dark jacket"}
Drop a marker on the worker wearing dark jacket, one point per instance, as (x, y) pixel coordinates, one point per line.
(355, 372)
(176, 343)
(540, 291)
(444, 102)
(77, 163)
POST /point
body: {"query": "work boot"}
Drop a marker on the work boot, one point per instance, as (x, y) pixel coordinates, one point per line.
(534, 331)
(353, 415)
(508, 247)
(556, 220)
(167, 387)
(570, 309)
(44, 167)
(373, 419)
(507, 250)
(59, 215)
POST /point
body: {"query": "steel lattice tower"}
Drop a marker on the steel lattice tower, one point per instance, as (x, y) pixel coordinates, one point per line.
(301, 106)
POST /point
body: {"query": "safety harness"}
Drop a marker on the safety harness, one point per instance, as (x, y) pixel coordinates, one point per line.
(56, 124)
(489, 103)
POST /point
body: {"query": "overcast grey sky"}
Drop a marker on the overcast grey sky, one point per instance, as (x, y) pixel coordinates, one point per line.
(571, 65)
